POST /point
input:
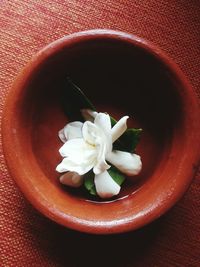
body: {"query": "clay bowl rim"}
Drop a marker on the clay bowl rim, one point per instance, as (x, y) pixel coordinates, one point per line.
(20, 82)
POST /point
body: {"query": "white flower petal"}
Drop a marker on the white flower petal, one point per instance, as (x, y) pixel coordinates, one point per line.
(106, 187)
(72, 179)
(99, 137)
(70, 131)
(101, 164)
(119, 128)
(75, 148)
(61, 135)
(72, 165)
(91, 133)
(102, 121)
(88, 114)
(80, 156)
(127, 163)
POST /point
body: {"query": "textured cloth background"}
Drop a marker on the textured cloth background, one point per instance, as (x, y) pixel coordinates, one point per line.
(26, 237)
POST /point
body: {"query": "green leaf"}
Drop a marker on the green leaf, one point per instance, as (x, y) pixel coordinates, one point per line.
(116, 175)
(113, 121)
(89, 183)
(129, 140)
(73, 100)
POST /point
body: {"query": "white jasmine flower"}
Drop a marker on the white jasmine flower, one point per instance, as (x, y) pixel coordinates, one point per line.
(88, 146)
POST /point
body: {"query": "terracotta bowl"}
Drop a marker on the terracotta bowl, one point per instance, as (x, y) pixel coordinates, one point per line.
(123, 75)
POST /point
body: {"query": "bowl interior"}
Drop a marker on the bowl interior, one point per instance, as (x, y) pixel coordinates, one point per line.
(121, 78)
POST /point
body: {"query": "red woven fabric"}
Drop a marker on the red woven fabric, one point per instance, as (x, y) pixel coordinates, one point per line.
(26, 237)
